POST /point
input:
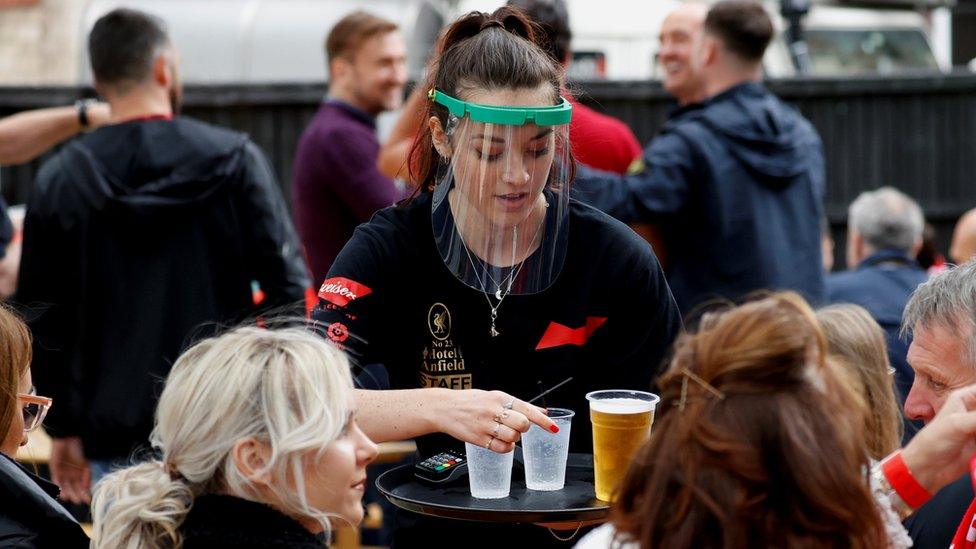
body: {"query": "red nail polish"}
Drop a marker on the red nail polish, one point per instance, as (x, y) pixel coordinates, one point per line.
(554, 428)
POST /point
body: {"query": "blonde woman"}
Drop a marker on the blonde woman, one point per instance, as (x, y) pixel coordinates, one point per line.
(856, 347)
(258, 444)
(858, 354)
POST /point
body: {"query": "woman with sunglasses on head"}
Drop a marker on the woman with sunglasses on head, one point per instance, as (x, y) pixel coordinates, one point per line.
(29, 514)
(491, 284)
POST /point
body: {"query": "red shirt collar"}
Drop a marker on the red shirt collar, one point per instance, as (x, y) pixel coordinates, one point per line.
(147, 118)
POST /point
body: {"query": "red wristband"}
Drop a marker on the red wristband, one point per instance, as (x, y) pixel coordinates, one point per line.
(903, 482)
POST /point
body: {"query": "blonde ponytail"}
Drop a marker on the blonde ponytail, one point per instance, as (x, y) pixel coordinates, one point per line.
(140, 507)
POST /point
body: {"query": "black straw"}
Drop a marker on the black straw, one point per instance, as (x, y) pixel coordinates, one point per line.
(551, 389)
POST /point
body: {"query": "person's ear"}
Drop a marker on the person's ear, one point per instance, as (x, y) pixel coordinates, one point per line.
(339, 70)
(251, 458)
(916, 247)
(710, 52)
(163, 70)
(437, 134)
(855, 249)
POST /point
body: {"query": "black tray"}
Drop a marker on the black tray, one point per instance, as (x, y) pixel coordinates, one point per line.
(575, 502)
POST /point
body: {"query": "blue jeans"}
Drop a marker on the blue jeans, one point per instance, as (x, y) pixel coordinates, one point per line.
(102, 467)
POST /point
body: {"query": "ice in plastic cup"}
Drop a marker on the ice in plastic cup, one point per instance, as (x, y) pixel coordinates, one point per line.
(621, 423)
(489, 473)
(545, 452)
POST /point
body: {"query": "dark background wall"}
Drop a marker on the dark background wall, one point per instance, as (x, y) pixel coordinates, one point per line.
(963, 32)
(914, 133)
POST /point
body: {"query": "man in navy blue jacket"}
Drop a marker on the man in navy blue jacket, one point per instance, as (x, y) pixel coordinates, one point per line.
(884, 233)
(736, 182)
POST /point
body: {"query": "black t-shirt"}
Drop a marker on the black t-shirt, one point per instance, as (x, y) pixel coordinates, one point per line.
(608, 320)
(6, 228)
(936, 522)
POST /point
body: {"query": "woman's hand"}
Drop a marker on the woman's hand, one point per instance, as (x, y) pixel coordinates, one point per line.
(940, 452)
(490, 419)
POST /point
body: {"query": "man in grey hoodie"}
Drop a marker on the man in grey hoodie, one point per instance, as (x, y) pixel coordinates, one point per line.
(736, 182)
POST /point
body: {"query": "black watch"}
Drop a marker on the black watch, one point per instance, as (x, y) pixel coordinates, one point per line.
(82, 106)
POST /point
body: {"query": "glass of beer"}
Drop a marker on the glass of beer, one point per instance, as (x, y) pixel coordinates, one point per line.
(621, 423)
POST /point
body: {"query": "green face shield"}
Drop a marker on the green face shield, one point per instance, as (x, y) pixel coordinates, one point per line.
(556, 115)
(501, 202)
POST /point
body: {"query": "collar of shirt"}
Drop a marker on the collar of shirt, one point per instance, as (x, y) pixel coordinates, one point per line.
(748, 87)
(680, 110)
(355, 112)
(888, 256)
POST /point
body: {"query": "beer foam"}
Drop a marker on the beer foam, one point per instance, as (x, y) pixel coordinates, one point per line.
(622, 406)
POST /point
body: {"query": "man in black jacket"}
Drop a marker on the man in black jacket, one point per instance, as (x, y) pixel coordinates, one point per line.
(136, 236)
(736, 182)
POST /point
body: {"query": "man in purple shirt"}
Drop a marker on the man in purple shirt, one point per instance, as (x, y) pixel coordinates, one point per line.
(336, 184)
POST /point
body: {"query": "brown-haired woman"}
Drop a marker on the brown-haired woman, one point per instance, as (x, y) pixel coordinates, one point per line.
(492, 284)
(756, 444)
(856, 346)
(29, 514)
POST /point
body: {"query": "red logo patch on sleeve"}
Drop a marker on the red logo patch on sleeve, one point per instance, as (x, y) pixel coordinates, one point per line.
(340, 291)
(337, 332)
(558, 335)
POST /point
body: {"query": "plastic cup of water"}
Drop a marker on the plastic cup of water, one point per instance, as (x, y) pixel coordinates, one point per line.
(545, 452)
(489, 473)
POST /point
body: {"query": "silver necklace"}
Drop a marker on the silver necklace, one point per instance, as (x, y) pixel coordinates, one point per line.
(512, 275)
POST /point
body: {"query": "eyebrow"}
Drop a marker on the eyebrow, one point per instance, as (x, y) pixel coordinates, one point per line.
(924, 370)
(542, 133)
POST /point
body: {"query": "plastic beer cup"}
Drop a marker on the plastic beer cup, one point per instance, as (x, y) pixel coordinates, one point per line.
(489, 473)
(621, 423)
(545, 453)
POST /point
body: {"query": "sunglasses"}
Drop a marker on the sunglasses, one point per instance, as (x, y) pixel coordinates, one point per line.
(34, 410)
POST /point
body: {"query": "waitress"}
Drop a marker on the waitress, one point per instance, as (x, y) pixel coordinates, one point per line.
(491, 284)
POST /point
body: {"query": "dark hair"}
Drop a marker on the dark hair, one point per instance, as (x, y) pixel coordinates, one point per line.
(482, 51)
(929, 254)
(757, 442)
(351, 31)
(553, 20)
(122, 46)
(743, 26)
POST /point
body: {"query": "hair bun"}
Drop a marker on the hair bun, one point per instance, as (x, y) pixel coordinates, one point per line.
(488, 23)
(507, 18)
(516, 22)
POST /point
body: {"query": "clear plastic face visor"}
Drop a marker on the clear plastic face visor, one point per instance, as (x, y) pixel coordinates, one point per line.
(500, 205)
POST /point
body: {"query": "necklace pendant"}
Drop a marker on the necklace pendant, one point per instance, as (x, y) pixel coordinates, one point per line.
(498, 294)
(494, 331)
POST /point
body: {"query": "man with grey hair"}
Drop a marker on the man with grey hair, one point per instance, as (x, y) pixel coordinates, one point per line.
(884, 233)
(884, 219)
(941, 318)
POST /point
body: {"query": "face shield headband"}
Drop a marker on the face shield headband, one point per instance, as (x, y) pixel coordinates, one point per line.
(555, 115)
